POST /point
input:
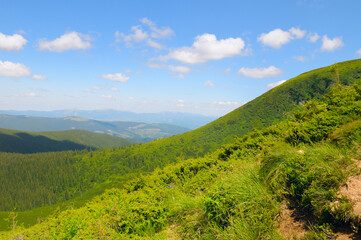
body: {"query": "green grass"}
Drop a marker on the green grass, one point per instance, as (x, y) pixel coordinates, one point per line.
(136, 209)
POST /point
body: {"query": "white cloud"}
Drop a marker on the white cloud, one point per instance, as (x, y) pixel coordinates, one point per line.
(276, 38)
(156, 65)
(68, 41)
(300, 58)
(31, 94)
(118, 77)
(359, 52)
(128, 70)
(97, 87)
(163, 32)
(260, 72)
(108, 96)
(275, 84)
(313, 37)
(131, 98)
(139, 35)
(227, 71)
(209, 83)
(154, 44)
(10, 69)
(114, 89)
(228, 103)
(205, 48)
(297, 33)
(13, 42)
(331, 44)
(39, 77)
(180, 103)
(180, 69)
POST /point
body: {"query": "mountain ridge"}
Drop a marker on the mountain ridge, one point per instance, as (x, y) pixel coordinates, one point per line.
(133, 131)
(17, 141)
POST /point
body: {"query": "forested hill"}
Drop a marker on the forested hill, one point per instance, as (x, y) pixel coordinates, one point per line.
(263, 111)
(112, 166)
(298, 179)
(272, 106)
(33, 142)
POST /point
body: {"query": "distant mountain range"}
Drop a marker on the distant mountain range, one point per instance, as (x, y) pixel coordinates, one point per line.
(133, 131)
(186, 120)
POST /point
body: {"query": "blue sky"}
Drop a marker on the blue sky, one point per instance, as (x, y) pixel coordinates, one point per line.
(206, 57)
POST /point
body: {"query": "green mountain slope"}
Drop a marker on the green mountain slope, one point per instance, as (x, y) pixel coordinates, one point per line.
(32, 142)
(111, 166)
(237, 192)
(132, 131)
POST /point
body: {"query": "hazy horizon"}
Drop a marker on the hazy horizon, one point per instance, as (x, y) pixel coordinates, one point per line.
(197, 57)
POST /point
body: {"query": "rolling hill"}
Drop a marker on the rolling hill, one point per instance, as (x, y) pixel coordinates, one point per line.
(32, 142)
(292, 179)
(185, 120)
(112, 166)
(132, 131)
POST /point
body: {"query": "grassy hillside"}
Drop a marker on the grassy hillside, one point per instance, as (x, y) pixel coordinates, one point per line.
(113, 165)
(31, 142)
(238, 191)
(132, 131)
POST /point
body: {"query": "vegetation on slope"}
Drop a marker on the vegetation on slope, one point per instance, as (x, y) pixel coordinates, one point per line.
(112, 165)
(34, 142)
(236, 191)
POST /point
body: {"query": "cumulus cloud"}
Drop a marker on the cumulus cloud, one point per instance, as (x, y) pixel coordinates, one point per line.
(68, 41)
(260, 72)
(297, 33)
(209, 83)
(138, 35)
(180, 69)
(117, 77)
(359, 52)
(39, 77)
(313, 37)
(300, 58)
(205, 48)
(331, 45)
(277, 37)
(275, 84)
(13, 42)
(10, 69)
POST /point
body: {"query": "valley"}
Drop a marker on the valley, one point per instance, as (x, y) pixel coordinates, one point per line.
(297, 144)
